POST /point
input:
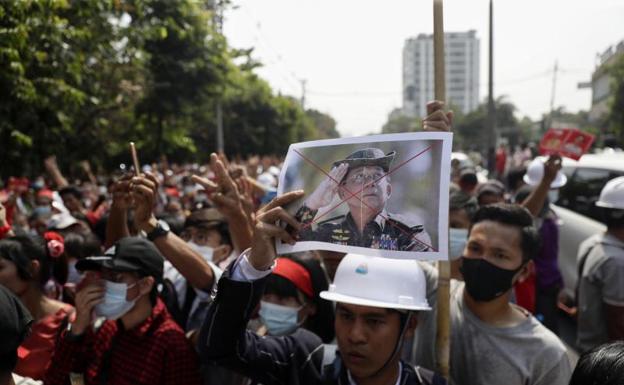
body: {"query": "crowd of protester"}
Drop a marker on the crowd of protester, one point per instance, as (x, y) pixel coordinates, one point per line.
(168, 275)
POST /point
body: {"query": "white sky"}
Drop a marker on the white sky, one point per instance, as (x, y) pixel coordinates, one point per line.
(349, 51)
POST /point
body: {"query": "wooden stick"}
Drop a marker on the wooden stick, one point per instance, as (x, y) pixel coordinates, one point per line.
(438, 51)
(135, 159)
(443, 341)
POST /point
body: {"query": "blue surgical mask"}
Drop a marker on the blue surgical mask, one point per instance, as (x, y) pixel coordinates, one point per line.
(73, 275)
(115, 304)
(457, 242)
(279, 320)
(205, 251)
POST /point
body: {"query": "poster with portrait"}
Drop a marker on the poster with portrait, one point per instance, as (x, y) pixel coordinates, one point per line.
(380, 195)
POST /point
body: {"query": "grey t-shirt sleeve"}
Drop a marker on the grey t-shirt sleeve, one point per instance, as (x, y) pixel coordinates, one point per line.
(559, 374)
(612, 272)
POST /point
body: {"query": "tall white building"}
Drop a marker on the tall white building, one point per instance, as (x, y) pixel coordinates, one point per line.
(462, 72)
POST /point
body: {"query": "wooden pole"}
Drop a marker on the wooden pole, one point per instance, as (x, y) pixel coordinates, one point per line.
(135, 159)
(443, 341)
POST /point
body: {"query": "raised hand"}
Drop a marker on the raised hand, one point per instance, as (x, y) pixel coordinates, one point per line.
(437, 119)
(121, 193)
(86, 299)
(328, 188)
(266, 230)
(224, 191)
(551, 168)
(144, 192)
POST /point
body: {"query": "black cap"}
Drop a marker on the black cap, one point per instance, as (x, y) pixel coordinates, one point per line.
(204, 218)
(15, 321)
(492, 186)
(128, 254)
(368, 157)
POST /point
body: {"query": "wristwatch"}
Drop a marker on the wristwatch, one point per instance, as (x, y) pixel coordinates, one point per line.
(162, 228)
(69, 333)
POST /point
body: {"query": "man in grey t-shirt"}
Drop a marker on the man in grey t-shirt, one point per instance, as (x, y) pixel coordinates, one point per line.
(492, 340)
(601, 283)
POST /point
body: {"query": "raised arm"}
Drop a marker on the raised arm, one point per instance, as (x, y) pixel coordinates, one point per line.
(224, 193)
(535, 201)
(144, 190)
(117, 223)
(224, 338)
(54, 171)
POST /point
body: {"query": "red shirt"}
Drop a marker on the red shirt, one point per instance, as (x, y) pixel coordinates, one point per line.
(154, 352)
(36, 351)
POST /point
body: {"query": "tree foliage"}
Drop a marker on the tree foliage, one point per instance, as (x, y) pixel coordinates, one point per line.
(616, 102)
(79, 79)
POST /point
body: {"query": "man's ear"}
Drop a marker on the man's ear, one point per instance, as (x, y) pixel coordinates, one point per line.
(388, 189)
(411, 326)
(145, 286)
(525, 272)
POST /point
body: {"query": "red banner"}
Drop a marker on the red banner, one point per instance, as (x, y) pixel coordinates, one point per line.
(568, 142)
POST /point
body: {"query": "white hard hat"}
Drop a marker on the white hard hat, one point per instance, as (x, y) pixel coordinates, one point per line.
(379, 282)
(535, 173)
(267, 180)
(612, 194)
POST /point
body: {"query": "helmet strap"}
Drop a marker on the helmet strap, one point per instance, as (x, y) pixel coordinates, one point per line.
(405, 319)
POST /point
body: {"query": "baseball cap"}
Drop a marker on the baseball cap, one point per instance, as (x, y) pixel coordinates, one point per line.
(15, 321)
(133, 254)
(492, 186)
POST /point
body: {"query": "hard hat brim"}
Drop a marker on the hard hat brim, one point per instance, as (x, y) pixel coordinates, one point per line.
(335, 297)
(607, 205)
(559, 181)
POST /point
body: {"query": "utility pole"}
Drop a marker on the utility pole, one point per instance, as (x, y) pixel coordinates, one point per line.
(303, 92)
(552, 96)
(218, 12)
(491, 121)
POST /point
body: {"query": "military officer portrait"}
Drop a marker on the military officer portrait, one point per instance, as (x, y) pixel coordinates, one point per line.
(362, 182)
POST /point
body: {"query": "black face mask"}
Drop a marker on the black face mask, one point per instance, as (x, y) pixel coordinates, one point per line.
(485, 281)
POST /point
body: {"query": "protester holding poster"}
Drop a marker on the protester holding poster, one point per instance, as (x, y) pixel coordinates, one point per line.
(382, 195)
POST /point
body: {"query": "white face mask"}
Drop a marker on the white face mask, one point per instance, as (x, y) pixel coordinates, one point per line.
(457, 242)
(115, 303)
(205, 251)
(73, 275)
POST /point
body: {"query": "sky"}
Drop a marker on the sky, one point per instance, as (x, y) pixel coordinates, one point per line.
(350, 51)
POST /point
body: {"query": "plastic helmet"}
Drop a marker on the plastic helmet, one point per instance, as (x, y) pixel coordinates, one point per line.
(535, 173)
(612, 194)
(379, 282)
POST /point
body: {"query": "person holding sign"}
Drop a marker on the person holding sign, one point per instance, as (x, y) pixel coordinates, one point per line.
(371, 324)
(367, 224)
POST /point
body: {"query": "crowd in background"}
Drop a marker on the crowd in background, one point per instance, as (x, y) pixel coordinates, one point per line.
(52, 226)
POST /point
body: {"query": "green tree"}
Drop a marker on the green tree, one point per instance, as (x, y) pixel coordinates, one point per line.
(324, 124)
(616, 102)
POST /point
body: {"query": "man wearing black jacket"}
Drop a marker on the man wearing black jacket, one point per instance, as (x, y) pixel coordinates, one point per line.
(376, 300)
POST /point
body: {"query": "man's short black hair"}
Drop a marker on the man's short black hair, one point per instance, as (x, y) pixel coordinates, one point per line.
(72, 190)
(613, 218)
(513, 215)
(602, 365)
